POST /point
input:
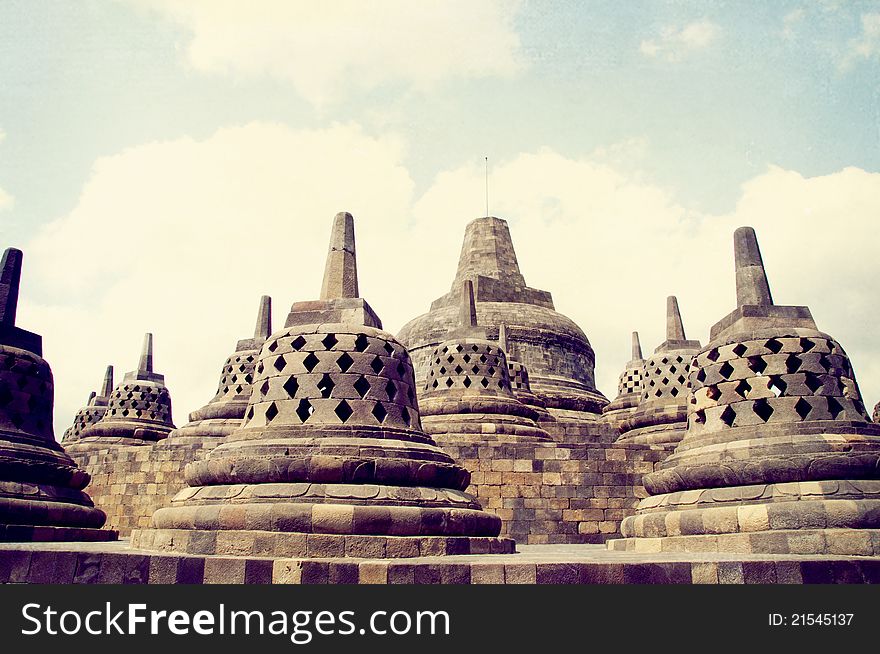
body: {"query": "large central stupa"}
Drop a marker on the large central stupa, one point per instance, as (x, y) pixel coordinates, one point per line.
(555, 350)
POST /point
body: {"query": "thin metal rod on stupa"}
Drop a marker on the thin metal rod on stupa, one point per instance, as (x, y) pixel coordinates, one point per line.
(146, 362)
(752, 287)
(467, 315)
(637, 347)
(340, 273)
(263, 329)
(10, 280)
(674, 325)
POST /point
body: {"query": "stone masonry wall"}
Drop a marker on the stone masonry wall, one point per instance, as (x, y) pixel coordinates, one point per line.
(556, 493)
(129, 483)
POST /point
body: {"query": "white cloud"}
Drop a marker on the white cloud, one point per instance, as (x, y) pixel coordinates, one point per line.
(182, 237)
(674, 44)
(791, 21)
(324, 47)
(867, 45)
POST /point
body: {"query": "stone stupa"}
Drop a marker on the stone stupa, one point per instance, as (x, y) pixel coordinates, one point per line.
(330, 460)
(629, 387)
(225, 412)
(780, 456)
(92, 412)
(467, 396)
(555, 350)
(139, 410)
(41, 488)
(661, 415)
(520, 383)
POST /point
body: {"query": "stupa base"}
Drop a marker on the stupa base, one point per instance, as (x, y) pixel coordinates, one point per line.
(234, 542)
(49, 534)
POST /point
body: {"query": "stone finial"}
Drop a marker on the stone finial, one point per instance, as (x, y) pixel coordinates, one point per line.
(107, 388)
(674, 325)
(146, 362)
(467, 313)
(92, 396)
(10, 279)
(637, 347)
(340, 273)
(502, 337)
(263, 330)
(752, 287)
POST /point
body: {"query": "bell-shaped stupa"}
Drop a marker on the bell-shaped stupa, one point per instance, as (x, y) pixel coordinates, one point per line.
(139, 410)
(661, 415)
(467, 396)
(629, 387)
(556, 351)
(92, 412)
(331, 459)
(225, 412)
(780, 456)
(41, 488)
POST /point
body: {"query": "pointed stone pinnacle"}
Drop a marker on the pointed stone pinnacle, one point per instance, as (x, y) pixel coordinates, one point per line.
(146, 362)
(752, 287)
(502, 337)
(467, 316)
(263, 330)
(636, 347)
(10, 279)
(340, 273)
(674, 326)
(92, 396)
(107, 388)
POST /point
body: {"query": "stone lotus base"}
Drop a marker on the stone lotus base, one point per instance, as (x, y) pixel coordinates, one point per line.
(273, 544)
(114, 563)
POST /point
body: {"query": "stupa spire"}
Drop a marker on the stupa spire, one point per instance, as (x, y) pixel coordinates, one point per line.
(10, 279)
(752, 286)
(263, 329)
(674, 325)
(636, 347)
(146, 362)
(340, 273)
(107, 388)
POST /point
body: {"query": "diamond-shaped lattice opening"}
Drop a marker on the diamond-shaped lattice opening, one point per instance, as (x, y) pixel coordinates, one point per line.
(389, 348)
(271, 412)
(483, 358)
(249, 378)
(435, 384)
(674, 392)
(304, 409)
(700, 416)
(326, 386)
(391, 390)
(442, 370)
(467, 382)
(757, 365)
(813, 382)
(343, 411)
(449, 382)
(728, 416)
(664, 360)
(475, 347)
(400, 368)
(411, 395)
(271, 347)
(298, 343)
(329, 341)
(743, 388)
(458, 370)
(362, 386)
(834, 408)
(777, 386)
(701, 375)
(377, 365)
(665, 381)
(672, 369)
(681, 379)
(491, 371)
(450, 359)
(475, 369)
(361, 343)
(250, 413)
(279, 363)
(807, 345)
(726, 370)
(291, 386)
(803, 408)
(484, 382)
(260, 367)
(311, 361)
(773, 345)
(405, 415)
(739, 349)
(793, 363)
(713, 354)
(379, 412)
(445, 350)
(762, 409)
(825, 362)
(344, 362)
(712, 392)
(459, 348)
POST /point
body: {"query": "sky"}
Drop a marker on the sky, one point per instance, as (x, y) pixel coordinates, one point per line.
(163, 163)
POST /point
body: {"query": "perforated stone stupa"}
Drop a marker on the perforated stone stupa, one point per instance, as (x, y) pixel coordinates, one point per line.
(780, 455)
(629, 387)
(139, 410)
(41, 488)
(468, 394)
(330, 460)
(225, 412)
(556, 351)
(661, 414)
(92, 412)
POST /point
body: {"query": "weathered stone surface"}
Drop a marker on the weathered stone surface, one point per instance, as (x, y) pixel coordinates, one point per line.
(92, 412)
(554, 349)
(41, 488)
(780, 455)
(629, 388)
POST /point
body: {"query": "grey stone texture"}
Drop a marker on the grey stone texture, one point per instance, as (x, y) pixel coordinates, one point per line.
(629, 387)
(138, 412)
(225, 412)
(661, 414)
(556, 351)
(92, 412)
(330, 459)
(780, 455)
(41, 488)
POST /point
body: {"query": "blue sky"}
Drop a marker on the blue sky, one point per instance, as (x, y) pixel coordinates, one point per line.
(630, 132)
